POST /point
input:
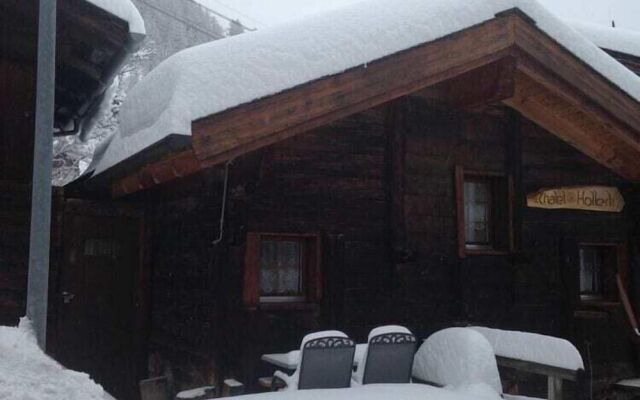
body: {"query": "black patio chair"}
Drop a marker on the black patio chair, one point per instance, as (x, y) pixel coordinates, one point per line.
(326, 362)
(389, 356)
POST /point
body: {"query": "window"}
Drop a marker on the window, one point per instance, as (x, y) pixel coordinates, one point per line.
(282, 265)
(477, 213)
(599, 264)
(102, 248)
(282, 269)
(485, 212)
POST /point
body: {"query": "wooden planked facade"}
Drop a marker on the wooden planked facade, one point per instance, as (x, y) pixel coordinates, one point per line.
(368, 169)
(379, 189)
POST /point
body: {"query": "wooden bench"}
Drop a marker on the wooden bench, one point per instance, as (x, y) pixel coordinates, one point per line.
(555, 376)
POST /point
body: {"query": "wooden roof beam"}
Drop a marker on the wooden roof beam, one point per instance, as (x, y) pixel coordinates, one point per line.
(266, 121)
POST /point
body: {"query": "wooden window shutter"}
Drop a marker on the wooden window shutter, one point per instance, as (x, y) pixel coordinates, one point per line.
(251, 293)
(314, 269)
(459, 182)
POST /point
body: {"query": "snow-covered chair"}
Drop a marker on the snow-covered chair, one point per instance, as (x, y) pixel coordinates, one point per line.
(389, 356)
(458, 358)
(326, 362)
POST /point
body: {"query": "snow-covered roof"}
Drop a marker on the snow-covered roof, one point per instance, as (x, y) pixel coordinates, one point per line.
(125, 10)
(210, 78)
(616, 39)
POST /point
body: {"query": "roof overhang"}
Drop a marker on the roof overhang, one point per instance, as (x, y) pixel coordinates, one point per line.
(507, 59)
(91, 46)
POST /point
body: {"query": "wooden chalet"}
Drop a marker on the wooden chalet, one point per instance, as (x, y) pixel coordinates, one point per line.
(397, 191)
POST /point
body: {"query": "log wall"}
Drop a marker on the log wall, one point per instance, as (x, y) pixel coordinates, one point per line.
(379, 188)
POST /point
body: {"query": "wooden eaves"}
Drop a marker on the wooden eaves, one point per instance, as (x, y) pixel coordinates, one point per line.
(520, 66)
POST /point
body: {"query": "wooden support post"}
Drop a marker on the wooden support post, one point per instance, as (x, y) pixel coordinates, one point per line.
(554, 388)
(514, 168)
(231, 388)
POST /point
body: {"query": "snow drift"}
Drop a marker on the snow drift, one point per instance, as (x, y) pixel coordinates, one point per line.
(27, 373)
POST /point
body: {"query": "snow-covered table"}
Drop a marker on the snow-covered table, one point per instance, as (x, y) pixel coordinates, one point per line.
(291, 359)
(404, 391)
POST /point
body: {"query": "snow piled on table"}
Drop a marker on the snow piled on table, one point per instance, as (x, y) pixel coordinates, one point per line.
(125, 10)
(216, 76)
(406, 391)
(459, 358)
(533, 347)
(479, 391)
(26, 373)
(616, 39)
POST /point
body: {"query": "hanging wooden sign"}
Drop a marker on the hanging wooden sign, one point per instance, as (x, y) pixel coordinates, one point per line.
(590, 198)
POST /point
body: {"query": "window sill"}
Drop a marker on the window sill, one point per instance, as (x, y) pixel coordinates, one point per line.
(601, 304)
(486, 252)
(288, 306)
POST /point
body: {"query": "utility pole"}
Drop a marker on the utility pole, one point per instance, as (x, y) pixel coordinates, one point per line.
(38, 281)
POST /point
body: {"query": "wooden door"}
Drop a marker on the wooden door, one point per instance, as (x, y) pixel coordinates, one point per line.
(98, 322)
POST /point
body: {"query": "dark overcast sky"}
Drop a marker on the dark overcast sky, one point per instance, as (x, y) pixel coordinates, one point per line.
(262, 13)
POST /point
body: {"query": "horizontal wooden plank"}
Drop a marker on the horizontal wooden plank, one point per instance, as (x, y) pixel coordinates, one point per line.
(536, 368)
(567, 120)
(175, 166)
(590, 84)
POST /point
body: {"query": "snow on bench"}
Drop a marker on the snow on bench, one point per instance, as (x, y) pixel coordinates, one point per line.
(533, 347)
(556, 358)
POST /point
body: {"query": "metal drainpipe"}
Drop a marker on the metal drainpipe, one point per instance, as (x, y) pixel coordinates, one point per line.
(39, 239)
(224, 202)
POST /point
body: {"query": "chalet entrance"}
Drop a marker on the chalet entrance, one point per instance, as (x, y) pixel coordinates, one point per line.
(98, 298)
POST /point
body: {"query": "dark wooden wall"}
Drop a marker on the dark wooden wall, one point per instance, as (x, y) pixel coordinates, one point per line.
(379, 188)
(17, 105)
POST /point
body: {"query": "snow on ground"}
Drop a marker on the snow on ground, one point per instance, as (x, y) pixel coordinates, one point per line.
(123, 9)
(533, 347)
(26, 373)
(371, 392)
(216, 76)
(617, 39)
(460, 358)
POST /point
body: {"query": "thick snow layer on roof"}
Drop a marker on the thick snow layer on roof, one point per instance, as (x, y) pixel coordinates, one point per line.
(616, 39)
(458, 358)
(216, 76)
(27, 373)
(125, 10)
(533, 347)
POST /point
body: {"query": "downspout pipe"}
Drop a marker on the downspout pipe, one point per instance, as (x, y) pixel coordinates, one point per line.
(223, 209)
(39, 238)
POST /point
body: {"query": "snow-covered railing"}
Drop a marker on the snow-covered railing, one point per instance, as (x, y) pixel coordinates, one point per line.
(555, 358)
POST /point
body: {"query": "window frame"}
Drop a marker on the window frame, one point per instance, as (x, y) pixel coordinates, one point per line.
(620, 250)
(461, 176)
(311, 274)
